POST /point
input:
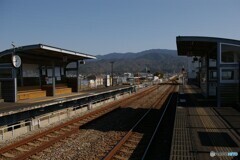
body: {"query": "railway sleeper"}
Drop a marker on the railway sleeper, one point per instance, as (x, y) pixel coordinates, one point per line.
(51, 136)
(32, 144)
(57, 145)
(64, 140)
(66, 129)
(22, 149)
(8, 155)
(129, 145)
(120, 157)
(77, 124)
(35, 157)
(96, 115)
(58, 132)
(42, 140)
(86, 120)
(137, 136)
(128, 151)
(82, 122)
(134, 140)
(123, 155)
(47, 150)
(71, 126)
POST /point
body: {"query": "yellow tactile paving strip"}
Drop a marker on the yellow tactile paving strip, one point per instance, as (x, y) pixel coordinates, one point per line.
(182, 147)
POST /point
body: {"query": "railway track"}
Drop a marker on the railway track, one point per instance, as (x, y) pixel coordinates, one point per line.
(34, 144)
(137, 141)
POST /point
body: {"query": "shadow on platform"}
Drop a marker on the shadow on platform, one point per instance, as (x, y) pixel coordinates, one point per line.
(221, 139)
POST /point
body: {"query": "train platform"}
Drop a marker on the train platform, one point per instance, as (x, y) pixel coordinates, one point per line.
(204, 131)
(9, 108)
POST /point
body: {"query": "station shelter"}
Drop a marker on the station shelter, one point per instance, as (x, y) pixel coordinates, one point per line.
(217, 64)
(39, 70)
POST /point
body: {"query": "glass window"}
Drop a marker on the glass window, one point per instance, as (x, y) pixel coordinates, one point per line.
(57, 71)
(212, 62)
(30, 70)
(43, 70)
(230, 53)
(230, 75)
(62, 71)
(71, 73)
(49, 72)
(212, 75)
(227, 75)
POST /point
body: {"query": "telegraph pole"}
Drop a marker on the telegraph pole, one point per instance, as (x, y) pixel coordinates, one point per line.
(112, 62)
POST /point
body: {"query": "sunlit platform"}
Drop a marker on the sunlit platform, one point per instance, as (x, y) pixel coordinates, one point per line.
(7, 108)
(202, 128)
(198, 131)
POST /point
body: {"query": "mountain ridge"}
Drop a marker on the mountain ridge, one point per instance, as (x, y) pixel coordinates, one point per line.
(116, 55)
(156, 60)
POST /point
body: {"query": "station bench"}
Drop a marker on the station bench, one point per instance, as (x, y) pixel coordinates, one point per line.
(29, 92)
(59, 89)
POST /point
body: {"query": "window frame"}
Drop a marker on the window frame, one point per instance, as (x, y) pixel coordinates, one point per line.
(231, 80)
(210, 73)
(221, 53)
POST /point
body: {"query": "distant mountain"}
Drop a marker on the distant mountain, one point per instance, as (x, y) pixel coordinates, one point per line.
(154, 60)
(131, 55)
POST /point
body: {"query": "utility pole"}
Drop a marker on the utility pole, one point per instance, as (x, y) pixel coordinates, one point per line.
(112, 62)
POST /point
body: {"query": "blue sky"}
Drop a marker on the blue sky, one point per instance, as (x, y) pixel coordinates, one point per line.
(106, 26)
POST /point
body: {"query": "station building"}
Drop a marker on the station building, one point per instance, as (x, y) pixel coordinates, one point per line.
(215, 64)
(39, 70)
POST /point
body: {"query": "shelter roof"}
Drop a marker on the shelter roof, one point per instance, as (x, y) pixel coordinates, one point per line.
(47, 52)
(199, 46)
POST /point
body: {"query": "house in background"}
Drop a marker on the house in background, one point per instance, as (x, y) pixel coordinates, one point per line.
(95, 81)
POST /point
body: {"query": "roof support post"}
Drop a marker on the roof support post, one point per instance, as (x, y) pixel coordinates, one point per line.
(78, 77)
(53, 79)
(40, 75)
(238, 85)
(21, 73)
(207, 74)
(218, 74)
(15, 84)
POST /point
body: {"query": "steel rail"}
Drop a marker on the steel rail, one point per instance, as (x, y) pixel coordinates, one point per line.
(116, 148)
(157, 127)
(42, 146)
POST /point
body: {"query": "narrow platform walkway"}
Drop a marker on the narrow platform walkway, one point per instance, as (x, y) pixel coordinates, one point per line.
(198, 130)
(8, 108)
